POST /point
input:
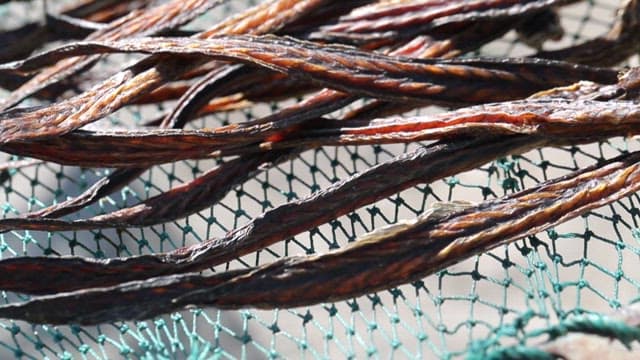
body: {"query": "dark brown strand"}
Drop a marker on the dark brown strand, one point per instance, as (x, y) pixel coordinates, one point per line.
(409, 19)
(566, 120)
(255, 19)
(377, 261)
(20, 42)
(315, 106)
(138, 22)
(39, 275)
(616, 46)
(363, 73)
(239, 237)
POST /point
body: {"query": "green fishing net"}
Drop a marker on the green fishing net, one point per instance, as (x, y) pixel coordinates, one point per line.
(492, 301)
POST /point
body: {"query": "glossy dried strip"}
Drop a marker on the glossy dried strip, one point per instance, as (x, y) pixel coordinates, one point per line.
(561, 119)
(328, 100)
(385, 258)
(138, 22)
(124, 87)
(41, 275)
(322, 102)
(620, 43)
(259, 18)
(366, 74)
(408, 19)
(315, 106)
(447, 45)
(69, 273)
(554, 118)
(20, 42)
(181, 113)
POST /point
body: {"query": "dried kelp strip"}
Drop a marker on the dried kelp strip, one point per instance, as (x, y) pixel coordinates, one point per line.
(616, 46)
(258, 18)
(328, 100)
(537, 29)
(628, 83)
(555, 118)
(319, 104)
(184, 200)
(222, 82)
(357, 72)
(20, 42)
(40, 275)
(447, 45)
(627, 88)
(329, 65)
(184, 109)
(408, 19)
(580, 120)
(70, 27)
(138, 22)
(124, 87)
(423, 165)
(379, 260)
(470, 39)
(121, 177)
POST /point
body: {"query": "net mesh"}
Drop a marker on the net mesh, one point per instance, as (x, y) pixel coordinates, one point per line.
(497, 299)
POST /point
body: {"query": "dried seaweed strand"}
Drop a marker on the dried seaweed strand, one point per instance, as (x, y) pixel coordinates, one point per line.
(152, 265)
(446, 45)
(322, 102)
(341, 68)
(39, 275)
(408, 19)
(626, 88)
(256, 19)
(566, 120)
(380, 260)
(20, 42)
(318, 104)
(138, 22)
(616, 46)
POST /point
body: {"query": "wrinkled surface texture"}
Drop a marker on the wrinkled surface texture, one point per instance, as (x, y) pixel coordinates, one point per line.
(314, 178)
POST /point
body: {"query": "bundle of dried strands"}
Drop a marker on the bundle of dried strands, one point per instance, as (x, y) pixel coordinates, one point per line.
(400, 55)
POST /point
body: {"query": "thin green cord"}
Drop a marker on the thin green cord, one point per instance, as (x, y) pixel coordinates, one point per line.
(514, 353)
(587, 324)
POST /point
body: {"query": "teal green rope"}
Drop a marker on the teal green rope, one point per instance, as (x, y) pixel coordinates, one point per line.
(594, 324)
(513, 353)
(587, 324)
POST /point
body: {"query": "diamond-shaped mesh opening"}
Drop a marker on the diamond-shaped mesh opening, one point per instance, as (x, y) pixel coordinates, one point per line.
(584, 265)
